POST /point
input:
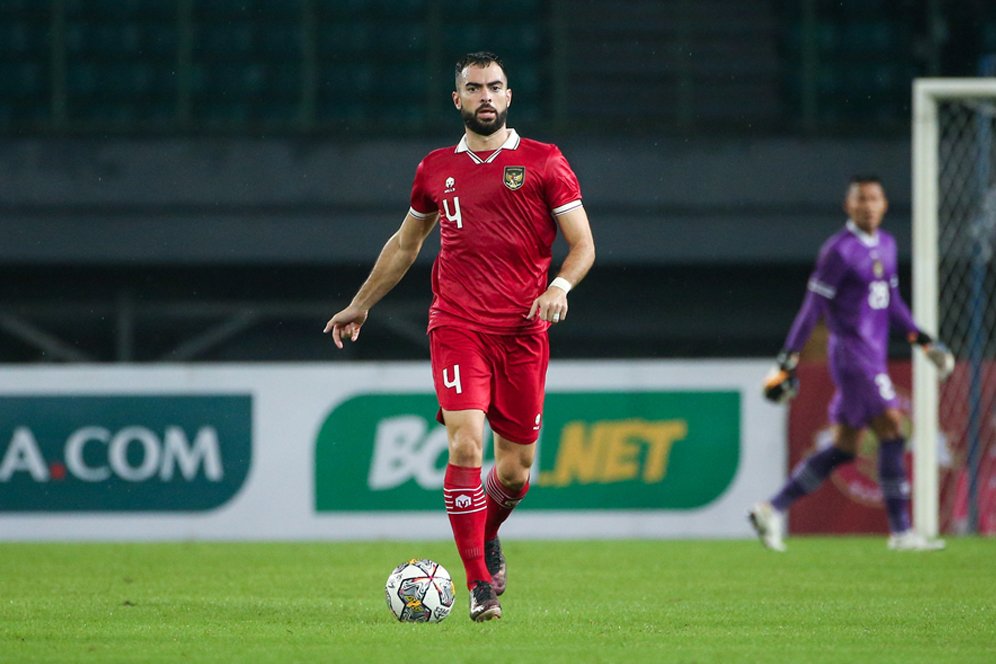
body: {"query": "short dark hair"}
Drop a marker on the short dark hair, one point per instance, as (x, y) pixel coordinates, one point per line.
(479, 59)
(865, 179)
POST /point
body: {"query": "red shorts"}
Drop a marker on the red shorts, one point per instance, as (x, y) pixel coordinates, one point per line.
(502, 374)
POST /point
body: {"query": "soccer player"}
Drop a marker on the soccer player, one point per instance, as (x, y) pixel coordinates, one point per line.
(855, 288)
(498, 199)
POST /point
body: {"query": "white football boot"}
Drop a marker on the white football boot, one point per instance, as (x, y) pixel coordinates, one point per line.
(913, 541)
(769, 525)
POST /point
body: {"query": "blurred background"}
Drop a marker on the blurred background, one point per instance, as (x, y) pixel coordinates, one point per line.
(210, 180)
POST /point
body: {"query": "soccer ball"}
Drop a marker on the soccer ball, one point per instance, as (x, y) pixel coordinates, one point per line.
(419, 591)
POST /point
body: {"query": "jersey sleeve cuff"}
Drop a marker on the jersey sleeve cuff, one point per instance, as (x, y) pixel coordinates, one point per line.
(567, 207)
(822, 289)
(420, 215)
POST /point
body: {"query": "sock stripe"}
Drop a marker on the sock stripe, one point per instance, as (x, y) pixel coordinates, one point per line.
(499, 493)
(808, 480)
(496, 489)
(894, 487)
(465, 501)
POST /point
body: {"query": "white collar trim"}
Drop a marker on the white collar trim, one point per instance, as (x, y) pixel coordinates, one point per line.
(511, 143)
(866, 239)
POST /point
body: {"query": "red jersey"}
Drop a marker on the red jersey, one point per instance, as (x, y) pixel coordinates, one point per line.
(496, 229)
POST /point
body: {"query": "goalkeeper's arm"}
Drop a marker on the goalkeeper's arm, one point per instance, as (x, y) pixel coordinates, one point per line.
(781, 383)
(936, 352)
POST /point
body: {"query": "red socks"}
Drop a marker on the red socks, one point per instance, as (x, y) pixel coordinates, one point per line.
(467, 510)
(501, 502)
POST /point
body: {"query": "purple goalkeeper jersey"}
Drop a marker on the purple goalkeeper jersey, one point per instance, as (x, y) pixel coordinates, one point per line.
(855, 288)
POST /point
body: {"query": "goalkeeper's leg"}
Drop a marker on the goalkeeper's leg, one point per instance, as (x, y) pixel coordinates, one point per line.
(895, 486)
(767, 518)
(892, 470)
(812, 471)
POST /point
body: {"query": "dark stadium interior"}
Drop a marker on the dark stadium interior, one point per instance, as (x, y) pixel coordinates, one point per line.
(209, 180)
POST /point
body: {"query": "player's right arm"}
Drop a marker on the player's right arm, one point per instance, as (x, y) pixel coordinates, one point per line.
(395, 259)
(781, 383)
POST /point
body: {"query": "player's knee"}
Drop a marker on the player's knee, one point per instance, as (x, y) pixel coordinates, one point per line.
(514, 479)
(848, 447)
(465, 448)
(847, 440)
(513, 463)
(889, 425)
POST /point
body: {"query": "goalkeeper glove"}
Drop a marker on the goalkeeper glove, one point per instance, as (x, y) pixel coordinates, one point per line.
(936, 352)
(781, 383)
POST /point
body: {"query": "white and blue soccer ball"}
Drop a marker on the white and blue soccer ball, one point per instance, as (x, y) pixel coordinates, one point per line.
(419, 591)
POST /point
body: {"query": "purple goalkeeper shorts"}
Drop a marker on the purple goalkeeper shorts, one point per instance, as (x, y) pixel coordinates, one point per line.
(861, 396)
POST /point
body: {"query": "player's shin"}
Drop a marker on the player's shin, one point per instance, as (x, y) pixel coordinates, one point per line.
(808, 476)
(466, 508)
(895, 486)
(501, 501)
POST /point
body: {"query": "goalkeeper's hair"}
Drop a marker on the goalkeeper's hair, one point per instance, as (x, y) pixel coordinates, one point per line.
(479, 59)
(867, 178)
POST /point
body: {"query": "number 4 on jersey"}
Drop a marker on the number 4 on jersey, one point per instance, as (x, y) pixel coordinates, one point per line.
(455, 215)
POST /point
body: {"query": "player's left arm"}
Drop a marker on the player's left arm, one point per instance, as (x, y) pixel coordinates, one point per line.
(934, 349)
(552, 304)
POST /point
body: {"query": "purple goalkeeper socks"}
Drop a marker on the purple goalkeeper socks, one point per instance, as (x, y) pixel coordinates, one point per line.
(808, 476)
(895, 487)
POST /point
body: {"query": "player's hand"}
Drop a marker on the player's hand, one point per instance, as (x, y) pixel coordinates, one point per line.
(937, 353)
(550, 306)
(346, 324)
(940, 357)
(781, 383)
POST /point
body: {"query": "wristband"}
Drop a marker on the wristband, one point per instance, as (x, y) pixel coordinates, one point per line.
(562, 284)
(787, 360)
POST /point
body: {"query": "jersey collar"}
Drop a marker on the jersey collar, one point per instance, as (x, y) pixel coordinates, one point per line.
(511, 143)
(866, 239)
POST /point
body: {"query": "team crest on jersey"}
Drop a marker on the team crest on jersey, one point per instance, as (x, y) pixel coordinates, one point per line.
(878, 269)
(515, 177)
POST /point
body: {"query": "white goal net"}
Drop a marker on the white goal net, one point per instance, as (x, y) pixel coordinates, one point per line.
(954, 297)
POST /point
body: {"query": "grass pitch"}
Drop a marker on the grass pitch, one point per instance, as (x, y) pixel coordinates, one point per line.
(826, 600)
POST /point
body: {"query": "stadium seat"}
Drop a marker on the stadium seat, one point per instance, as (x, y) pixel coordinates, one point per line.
(19, 8)
(868, 37)
(22, 39)
(215, 9)
(346, 38)
(100, 10)
(223, 42)
(160, 41)
(412, 39)
(278, 10)
(112, 40)
(23, 80)
(338, 9)
(221, 115)
(353, 81)
(412, 10)
(280, 41)
(989, 37)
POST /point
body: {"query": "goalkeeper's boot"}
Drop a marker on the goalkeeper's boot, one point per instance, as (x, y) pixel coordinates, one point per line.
(768, 523)
(913, 541)
(495, 560)
(484, 603)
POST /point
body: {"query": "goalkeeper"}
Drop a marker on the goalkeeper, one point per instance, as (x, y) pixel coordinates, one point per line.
(855, 289)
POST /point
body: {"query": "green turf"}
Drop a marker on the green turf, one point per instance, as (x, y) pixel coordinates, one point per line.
(827, 599)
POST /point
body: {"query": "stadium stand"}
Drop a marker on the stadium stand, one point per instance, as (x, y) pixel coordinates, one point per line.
(215, 175)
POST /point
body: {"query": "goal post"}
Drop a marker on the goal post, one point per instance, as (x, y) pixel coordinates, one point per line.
(954, 288)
